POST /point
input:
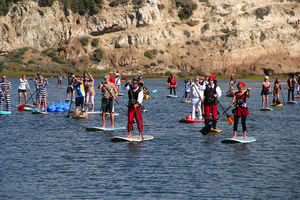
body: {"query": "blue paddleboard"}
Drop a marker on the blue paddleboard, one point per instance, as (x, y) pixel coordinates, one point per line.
(239, 140)
(104, 129)
(3, 112)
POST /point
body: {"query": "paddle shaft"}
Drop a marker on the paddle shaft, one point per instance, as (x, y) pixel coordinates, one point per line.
(282, 97)
(69, 109)
(32, 98)
(22, 106)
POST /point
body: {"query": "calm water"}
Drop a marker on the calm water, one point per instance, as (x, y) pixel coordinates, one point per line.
(53, 157)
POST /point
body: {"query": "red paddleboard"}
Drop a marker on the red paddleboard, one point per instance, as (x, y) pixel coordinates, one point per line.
(297, 96)
(190, 121)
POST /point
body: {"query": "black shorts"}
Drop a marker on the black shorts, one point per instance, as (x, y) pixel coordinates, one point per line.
(107, 105)
(22, 91)
(69, 89)
(79, 101)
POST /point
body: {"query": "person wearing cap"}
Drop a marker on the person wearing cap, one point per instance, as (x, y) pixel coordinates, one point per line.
(135, 95)
(24, 85)
(110, 92)
(79, 96)
(196, 98)
(5, 89)
(173, 84)
(241, 109)
(266, 90)
(206, 79)
(35, 82)
(276, 89)
(291, 82)
(211, 94)
(118, 81)
(70, 88)
(59, 80)
(42, 93)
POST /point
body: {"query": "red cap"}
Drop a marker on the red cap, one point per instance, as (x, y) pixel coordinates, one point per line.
(241, 84)
(212, 77)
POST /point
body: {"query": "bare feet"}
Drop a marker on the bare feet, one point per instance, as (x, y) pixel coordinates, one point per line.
(129, 136)
(234, 137)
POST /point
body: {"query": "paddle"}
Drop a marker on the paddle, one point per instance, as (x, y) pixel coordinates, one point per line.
(32, 98)
(69, 108)
(154, 91)
(229, 118)
(21, 107)
(282, 97)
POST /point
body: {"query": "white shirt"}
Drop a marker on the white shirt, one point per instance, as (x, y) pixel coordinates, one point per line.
(218, 90)
(24, 84)
(140, 95)
(197, 90)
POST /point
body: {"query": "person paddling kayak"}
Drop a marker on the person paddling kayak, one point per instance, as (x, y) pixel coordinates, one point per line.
(110, 92)
(241, 109)
(135, 95)
(211, 94)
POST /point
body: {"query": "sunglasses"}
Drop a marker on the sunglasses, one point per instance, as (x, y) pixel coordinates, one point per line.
(135, 83)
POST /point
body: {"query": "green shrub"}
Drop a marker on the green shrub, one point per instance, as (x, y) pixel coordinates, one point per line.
(160, 61)
(95, 42)
(98, 55)
(115, 3)
(84, 41)
(150, 53)
(153, 64)
(146, 66)
(261, 12)
(83, 6)
(2, 66)
(6, 27)
(188, 43)
(187, 8)
(46, 3)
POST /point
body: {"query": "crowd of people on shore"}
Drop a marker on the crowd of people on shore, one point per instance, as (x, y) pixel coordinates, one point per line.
(203, 93)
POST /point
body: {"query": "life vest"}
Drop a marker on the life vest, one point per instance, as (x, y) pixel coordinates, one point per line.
(133, 96)
(209, 95)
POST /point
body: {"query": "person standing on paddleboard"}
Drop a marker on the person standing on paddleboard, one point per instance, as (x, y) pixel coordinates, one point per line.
(173, 84)
(276, 89)
(59, 80)
(24, 85)
(231, 83)
(135, 95)
(42, 93)
(187, 90)
(90, 92)
(197, 98)
(211, 94)
(5, 89)
(110, 92)
(80, 95)
(35, 82)
(291, 82)
(118, 81)
(266, 90)
(298, 87)
(70, 88)
(206, 79)
(241, 109)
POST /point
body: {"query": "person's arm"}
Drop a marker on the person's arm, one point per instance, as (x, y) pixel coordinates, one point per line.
(9, 88)
(116, 91)
(91, 77)
(287, 83)
(127, 86)
(28, 86)
(296, 82)
(219, 92)
(140, 97)
(233, 100)
(248, 92)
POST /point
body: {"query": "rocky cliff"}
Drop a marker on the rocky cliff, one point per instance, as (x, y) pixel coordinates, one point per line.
(223, 37)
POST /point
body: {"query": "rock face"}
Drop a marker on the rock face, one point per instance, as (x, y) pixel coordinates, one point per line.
(223, 37)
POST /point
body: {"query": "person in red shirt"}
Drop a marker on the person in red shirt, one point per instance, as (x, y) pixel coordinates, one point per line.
(173, 84)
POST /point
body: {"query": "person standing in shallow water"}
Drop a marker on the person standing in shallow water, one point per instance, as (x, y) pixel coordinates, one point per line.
(241, 109)
(266, 90)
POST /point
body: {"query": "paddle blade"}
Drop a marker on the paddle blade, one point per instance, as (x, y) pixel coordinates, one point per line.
(230, 119)
(154, 91)
(21, 108)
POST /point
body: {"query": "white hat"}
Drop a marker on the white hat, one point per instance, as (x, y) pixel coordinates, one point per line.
(266, 77)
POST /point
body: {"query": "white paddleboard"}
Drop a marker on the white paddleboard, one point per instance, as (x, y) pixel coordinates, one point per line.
(104, 129)
(239, 140)
(120, 94)
(266, 109)
(40, 112)
(132, 139)
(291, 102)
(172, 96)
(93, 112)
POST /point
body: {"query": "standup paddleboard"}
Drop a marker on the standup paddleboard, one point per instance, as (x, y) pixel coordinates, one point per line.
(80, 117)
(239, 140)
(291, 102)
(131, 139)
(3, 112)
(104, 129)
(297, 96)
(120, 94)
(93, 112)
(186, 101)
(190, 121)
(266, 109)
(172, 96)
(211, 131)
(277, 105)
(40, 112)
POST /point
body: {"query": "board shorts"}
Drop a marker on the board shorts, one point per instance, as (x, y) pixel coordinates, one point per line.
(107, 105)
(79, 101)
(70, 89)
(265, 92)
(22, 91)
